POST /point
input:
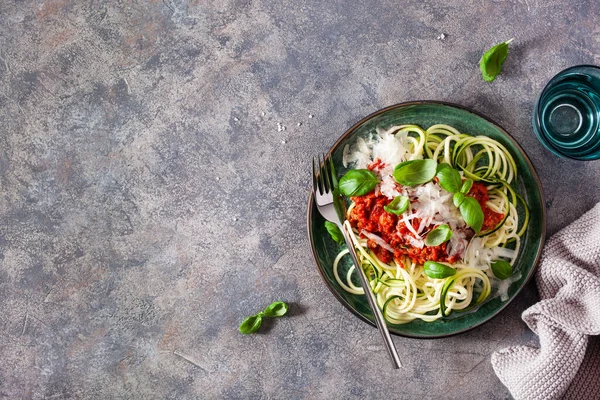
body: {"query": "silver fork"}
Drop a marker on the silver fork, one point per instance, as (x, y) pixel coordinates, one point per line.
(333, 209)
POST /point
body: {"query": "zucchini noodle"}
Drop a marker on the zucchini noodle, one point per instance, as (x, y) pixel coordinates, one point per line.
(403, 291)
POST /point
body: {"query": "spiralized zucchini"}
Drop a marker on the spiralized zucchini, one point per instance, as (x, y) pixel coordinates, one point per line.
(407, 293)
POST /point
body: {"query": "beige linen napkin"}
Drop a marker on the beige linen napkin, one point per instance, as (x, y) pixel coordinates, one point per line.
(568, 280)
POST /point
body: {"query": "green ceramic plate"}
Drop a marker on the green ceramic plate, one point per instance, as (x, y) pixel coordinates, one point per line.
(425, 114)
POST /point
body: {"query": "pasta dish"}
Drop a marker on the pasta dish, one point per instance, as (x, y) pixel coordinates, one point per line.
(434, 218)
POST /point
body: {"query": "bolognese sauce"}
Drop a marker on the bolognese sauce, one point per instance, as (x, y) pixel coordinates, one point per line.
(369, 215)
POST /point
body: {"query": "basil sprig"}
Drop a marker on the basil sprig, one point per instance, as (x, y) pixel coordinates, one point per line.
(471, 211)
(251, 324)
(357, 182)
(449, 178)
(438, 270)
(441, 233)
(501, 269)
(276, 309)
(415, 172)
(335, 232)
(398, 205)
(492, 60)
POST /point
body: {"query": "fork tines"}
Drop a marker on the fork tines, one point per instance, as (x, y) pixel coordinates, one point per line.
(325, 181)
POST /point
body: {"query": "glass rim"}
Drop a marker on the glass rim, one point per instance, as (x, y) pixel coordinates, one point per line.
(558, 74)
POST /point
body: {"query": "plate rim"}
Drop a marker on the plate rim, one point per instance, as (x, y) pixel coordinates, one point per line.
(528, 161)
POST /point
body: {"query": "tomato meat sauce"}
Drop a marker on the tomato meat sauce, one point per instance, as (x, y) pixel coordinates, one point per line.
(368, 214)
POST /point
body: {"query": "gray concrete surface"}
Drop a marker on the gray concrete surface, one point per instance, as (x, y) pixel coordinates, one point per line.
(148, 202)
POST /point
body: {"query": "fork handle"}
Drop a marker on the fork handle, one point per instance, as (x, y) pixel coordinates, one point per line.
(379, 319)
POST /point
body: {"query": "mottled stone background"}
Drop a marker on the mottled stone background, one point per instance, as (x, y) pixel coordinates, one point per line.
(148, 202)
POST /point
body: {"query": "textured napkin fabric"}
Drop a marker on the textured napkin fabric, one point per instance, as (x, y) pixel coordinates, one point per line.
(568, 280)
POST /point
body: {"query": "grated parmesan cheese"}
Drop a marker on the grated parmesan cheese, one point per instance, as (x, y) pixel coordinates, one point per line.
(377, 239)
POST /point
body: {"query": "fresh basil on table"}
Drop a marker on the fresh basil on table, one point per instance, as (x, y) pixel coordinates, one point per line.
(398, 205)
(492, 60)
(252, 324)
(440, 234)
(357, 182)
(276, 309)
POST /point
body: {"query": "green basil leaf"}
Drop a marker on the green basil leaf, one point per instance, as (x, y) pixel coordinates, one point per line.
(449, 178)
(334, 232)
(276, 309)
(501, 269)
(472, 213)
(458, 199)
(492, 60)
(437, 270)
(439, 235)
(415, 172)
(398, 205)
(251, 324)
(357, 182)
(466, 186)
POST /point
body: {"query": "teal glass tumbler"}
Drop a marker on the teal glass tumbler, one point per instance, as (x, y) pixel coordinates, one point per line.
(566, 117)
